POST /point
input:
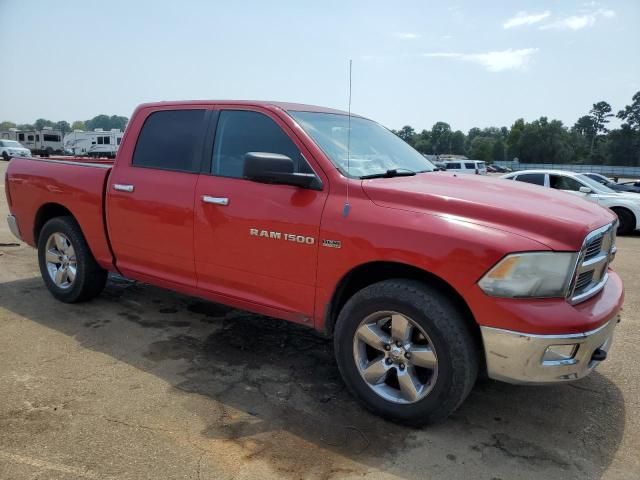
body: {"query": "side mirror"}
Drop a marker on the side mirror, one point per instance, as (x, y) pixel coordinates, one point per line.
(585, 190)
(274, 168)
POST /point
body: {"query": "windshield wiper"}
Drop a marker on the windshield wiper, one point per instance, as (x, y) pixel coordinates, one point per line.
(389, 174)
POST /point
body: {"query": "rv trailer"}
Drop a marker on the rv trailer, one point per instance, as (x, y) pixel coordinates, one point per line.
(98, 143)
(43, 142)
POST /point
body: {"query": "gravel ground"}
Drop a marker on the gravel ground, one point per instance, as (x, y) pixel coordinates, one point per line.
(143, 383)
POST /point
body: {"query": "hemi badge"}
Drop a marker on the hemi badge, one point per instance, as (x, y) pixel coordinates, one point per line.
(332, 243)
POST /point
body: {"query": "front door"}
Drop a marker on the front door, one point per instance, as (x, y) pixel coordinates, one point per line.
(150, 196)
(257, 241)
(570, 185)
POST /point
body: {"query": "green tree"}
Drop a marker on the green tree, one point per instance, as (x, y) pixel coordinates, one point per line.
(6, 125)
(441, 138)
(482, 148)
(422, 141)
(407, 133)
(63, 126)
(600, 114)
(498, 150)
(78, 125)
(513, 140)
(458, 141)
(544, 141)
(41, 123)
(631, 113)
(623, 146)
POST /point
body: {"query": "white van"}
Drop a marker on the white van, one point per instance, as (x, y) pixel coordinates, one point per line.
(467, 166)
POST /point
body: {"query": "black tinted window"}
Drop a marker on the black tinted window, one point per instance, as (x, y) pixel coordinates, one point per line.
(561, 182)
(169, 140)
(240, 132)
(453, 165)
(535, 178)
(470, 165)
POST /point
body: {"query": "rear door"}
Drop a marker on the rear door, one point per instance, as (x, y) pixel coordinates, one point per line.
(257, 241)
(150, 195)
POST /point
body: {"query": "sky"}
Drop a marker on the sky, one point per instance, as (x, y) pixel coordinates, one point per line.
(468, 63)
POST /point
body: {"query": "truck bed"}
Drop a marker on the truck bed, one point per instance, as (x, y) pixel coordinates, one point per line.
(75, 184)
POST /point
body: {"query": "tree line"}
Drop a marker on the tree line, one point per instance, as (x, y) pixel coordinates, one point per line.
(588, 141)
(104, 122)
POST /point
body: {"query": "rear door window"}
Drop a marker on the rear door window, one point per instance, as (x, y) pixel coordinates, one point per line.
(171, 140)
(534, 178)
(470, 165)
(453, 165)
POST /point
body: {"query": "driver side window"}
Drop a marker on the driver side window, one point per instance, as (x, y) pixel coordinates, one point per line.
(560, 182)
(242, 131)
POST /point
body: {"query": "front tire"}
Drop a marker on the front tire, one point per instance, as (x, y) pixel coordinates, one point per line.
(405, 351)
(627, 221)
(68, 268)
(5, 156)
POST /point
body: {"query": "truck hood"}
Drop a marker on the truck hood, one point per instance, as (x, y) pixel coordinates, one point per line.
(558, 220)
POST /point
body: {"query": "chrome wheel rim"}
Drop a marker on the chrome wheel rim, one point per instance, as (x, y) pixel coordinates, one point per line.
(395, 357)
(61, 260)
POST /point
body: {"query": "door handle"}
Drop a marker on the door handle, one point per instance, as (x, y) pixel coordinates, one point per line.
(123, 188)
(215, 200)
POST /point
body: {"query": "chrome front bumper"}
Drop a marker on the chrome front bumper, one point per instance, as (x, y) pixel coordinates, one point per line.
(516, 357)
(13, 226)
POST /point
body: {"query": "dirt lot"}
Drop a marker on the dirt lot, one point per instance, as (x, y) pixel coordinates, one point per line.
(143, 383)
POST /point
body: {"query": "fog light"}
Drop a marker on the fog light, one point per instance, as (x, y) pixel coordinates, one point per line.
(555, 353)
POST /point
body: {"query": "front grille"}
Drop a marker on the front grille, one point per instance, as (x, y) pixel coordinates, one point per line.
(593, 247)
(591, 275)
(584, 279)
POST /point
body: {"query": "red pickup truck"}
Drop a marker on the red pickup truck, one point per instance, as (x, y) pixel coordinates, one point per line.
(424, 279)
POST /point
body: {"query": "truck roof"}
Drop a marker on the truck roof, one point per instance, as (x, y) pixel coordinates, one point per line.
(287, 106)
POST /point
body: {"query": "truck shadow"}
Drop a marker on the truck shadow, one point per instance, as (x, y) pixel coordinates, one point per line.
(273, 389)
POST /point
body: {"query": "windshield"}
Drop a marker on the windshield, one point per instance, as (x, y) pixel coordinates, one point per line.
(372, 148)
(10, 143)
(593, 185)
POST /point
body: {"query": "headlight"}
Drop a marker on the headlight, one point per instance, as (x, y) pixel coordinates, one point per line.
(533, 274)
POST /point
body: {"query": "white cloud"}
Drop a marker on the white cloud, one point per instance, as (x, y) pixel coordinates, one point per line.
(407, 35)
(497, 61)
(578, 22)
(524, 18)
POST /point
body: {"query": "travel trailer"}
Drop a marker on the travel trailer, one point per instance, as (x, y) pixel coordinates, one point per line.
(98, 143)
(41, 142)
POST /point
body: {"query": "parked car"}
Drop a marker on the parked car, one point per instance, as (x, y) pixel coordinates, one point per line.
(500, 169)
(11, 148)
(618, 187)
(441, 166)
(491, 169)
(422, 279)
(625, 205)
(467, 166)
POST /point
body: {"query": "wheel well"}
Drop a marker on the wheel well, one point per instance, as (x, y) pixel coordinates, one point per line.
(45, 213)
(370, 273)
(625, 209)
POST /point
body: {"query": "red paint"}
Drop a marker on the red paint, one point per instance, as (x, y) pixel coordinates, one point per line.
(454, 227)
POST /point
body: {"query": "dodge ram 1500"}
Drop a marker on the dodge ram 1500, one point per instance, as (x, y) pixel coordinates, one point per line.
(424, 279)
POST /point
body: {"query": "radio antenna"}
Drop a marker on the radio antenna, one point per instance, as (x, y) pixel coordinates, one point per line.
(347, 206)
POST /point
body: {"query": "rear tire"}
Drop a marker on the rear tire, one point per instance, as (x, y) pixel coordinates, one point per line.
(627, 221)
(67, 266)
(439, 383)
(5, 156)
